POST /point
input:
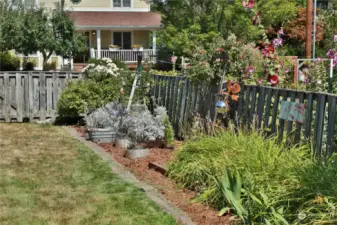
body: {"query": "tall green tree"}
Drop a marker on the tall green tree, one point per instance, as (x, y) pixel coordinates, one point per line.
(51, 31)
(32, 29)
(11, 28)
(191, 22)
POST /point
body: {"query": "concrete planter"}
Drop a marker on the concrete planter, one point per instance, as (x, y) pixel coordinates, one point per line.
(101, 135)
(137, 153)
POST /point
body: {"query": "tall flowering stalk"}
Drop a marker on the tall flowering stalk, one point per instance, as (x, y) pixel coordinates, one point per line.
(332, 53)
(275, 70)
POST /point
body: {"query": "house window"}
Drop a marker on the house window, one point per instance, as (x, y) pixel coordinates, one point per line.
(24, 2)
(121, 3)
(122, 39)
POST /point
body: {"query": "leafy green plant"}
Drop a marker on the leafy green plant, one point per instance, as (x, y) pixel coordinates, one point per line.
(87, 94)
(9, 61)
(169, 132)
(231, 187)
(165, 73)
(276, 183)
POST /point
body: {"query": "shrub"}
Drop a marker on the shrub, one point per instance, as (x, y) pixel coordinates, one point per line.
(50, 66)
(166, 73)
(83, 95)
(258, 179)
(100, 69)
(9, 62)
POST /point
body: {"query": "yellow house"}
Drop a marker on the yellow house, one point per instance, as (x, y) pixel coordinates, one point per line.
(118, 29)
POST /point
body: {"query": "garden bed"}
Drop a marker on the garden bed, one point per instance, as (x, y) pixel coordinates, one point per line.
(181, 198)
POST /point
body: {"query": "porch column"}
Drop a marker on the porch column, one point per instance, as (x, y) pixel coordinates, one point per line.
(98, 33)
(154, 43)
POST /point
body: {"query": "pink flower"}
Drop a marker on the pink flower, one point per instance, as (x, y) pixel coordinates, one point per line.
(203, 63)
(219, 49)
(173, 59)
(286, 70)
(281, 32)
(277, 42)
(248, 5)
(331, 54)
(259, 81)
(201, 52)
(251, 69)
(335, 38)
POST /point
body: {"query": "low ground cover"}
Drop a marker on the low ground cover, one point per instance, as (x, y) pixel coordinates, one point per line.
(49, 178)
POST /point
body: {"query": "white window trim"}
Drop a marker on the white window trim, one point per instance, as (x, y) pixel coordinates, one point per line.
(112, 37)
(122, 7)
(36, 2)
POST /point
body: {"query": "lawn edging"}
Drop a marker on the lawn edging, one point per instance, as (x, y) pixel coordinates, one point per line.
(127, 176)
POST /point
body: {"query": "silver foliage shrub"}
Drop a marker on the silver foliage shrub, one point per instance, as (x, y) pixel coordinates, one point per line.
(138, 124)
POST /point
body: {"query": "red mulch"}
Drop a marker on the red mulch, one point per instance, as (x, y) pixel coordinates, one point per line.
(181, 198)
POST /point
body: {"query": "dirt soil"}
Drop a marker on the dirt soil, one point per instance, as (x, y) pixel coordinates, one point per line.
(181, 198)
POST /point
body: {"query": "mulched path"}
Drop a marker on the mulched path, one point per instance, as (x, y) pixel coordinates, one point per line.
(181, 198)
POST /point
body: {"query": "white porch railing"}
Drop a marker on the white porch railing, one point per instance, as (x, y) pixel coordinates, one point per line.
(128, 56)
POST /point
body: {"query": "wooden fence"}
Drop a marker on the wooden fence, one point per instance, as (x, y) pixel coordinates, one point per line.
(31, 95)
(258, 107)
(181, 96)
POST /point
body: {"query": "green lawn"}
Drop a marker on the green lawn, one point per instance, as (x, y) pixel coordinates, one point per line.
(47, 177)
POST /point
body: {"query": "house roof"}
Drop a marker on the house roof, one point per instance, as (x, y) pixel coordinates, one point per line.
(86, 20)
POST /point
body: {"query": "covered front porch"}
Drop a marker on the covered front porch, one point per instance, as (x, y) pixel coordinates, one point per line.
(121, 45)
(120, 36)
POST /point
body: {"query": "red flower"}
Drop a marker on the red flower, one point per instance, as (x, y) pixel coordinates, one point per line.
(219, 49)
(273, 80)
(271, 48)
(121, 92)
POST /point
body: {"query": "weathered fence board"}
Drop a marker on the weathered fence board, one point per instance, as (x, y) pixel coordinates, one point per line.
(259, 108)
(31, 95)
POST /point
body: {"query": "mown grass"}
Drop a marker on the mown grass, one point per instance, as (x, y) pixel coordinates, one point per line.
(47, 177)
(259, 179)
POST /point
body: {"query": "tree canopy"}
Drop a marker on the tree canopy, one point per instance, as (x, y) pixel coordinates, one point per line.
(32, 29)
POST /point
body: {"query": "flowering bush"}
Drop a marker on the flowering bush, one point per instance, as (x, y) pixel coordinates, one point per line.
(223, 56)
(332, 53)
(276, 69)
(100, 69)
(313, 76)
